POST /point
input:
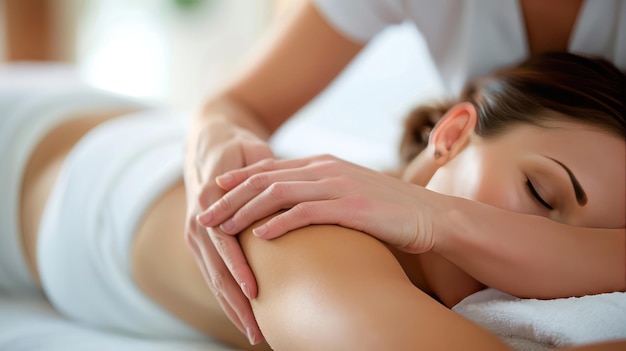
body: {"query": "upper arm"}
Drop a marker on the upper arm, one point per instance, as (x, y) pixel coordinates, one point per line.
(329, 287)
(297, 59)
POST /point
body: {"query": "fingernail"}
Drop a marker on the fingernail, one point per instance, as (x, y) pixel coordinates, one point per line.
(228, 225)
(250, 336)
(205, 217)
(225, 179)
(244, 288)
(259, 231)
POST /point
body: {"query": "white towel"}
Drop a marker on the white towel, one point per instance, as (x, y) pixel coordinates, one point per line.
(531, 324)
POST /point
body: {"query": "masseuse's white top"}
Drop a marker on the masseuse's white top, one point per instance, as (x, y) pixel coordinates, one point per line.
(469, 38)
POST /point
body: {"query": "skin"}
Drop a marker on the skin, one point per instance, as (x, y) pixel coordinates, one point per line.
(247, 112)
(265, 93)
(538, 154)
(269, 91)
(358, 271)
(491, 171)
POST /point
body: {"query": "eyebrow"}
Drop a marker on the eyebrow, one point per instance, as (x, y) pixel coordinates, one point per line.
(581, 196)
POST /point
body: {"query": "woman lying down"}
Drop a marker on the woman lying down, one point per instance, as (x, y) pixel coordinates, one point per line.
(97, 224)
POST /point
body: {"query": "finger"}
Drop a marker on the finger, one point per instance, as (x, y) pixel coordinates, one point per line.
(301, 215)
(355, 213)
(246, 326)
(216, 277)
(233, 178)
(232, 201)
(230, 297)
(230, 251)
(278, 196)
(237, 295)
(201, 263)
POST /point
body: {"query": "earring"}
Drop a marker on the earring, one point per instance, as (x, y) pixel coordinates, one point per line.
(437, 153)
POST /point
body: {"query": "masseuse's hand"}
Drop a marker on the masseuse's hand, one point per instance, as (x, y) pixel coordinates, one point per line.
(218, 149)
(324, 190)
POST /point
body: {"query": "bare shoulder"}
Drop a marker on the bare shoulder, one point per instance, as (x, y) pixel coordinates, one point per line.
(329, 287)
(304, 248)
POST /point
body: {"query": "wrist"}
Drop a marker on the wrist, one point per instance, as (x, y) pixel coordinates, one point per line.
(221, 122)
(226, 112)
(451, 222)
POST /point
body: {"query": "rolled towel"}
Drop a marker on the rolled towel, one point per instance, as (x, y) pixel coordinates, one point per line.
(531, 324)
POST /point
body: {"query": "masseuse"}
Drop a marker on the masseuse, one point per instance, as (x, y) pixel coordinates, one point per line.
(311, 45)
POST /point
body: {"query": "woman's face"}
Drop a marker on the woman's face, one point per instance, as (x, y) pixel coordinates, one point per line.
(570, 172)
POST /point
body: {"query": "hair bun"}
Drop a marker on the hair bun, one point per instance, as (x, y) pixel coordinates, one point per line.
(417, 127)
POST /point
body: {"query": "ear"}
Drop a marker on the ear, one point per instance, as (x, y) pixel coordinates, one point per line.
(452, 132)
(448, 138)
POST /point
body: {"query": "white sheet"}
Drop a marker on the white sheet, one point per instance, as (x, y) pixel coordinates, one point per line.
(537, 325)
(32, 324)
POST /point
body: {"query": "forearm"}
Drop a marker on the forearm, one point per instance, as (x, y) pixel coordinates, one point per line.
(225, 109)
(531, 256)
(221, 119)
(282, 74)
(328, 287)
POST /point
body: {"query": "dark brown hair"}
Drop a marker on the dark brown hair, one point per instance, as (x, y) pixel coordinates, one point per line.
(546, 87)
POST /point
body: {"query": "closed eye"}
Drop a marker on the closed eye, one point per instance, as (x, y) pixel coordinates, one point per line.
(536, 195)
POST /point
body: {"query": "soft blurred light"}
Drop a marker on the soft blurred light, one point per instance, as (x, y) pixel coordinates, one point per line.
(130, 58)
(166, 51)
